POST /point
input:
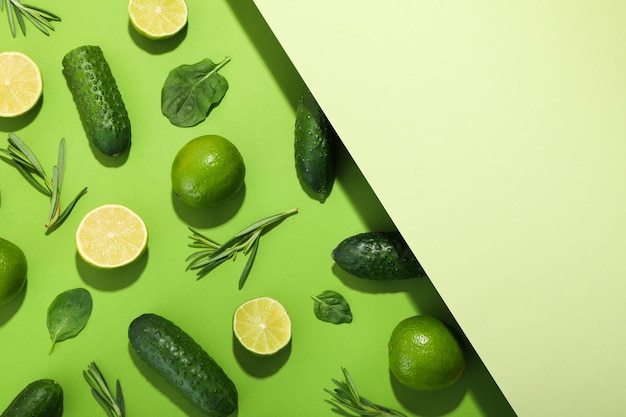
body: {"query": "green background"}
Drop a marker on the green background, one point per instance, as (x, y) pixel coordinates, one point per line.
(293, 263)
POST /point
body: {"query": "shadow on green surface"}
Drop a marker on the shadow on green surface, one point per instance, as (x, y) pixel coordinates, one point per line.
(372, 285)
(486, 392)
(360, 194)
(209, 217)
(111, 279)
(430, 404)
(166, 388)
(9, 309)
(257, 366)
(13, 124)
(156, 46)
(267, 45)
(110, 161)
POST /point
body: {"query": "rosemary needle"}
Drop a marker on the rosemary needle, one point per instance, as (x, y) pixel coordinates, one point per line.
(347, 396)
(114, 406)
(20, 13)
(212, 254)
(29, 166)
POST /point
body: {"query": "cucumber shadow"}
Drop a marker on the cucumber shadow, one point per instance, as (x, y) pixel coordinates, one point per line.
(360, 194)
(110, 161)
(410, 285)
(166, 388)
(272, 53)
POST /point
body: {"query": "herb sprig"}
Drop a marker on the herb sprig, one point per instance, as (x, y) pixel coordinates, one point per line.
(29, 166)
(347, 396)
(18, 12)
(114, 406)
(246, 242)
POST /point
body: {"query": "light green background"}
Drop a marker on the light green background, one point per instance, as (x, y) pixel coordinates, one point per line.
(293, 263)
(493, 133)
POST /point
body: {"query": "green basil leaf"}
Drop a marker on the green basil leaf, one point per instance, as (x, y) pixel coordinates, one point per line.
(68, 314)
(332, 307)
(190, 91)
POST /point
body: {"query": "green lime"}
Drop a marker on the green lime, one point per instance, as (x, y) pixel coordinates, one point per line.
(424, 354)
(12, 271)
(207, 171)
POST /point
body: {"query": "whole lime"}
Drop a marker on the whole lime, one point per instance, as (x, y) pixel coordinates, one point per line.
(207, 170)
(13, 269)
(424, 354)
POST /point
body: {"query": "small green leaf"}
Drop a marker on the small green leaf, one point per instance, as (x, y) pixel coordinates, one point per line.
(68, 314)
(190, 91)
(332, 307)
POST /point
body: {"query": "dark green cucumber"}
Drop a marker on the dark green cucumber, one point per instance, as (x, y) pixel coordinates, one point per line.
(97, 99)
(377, 256)
(315, 148)
(183, 363)
(40, 398)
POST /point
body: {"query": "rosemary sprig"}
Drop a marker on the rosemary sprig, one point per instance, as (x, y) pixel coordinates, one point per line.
(347, 396)
(40, 18)
(29, 166)
(114, 406)
(246, 241)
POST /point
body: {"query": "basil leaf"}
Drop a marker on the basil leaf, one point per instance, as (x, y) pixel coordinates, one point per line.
(332, 307)
(68, 314)
(190, 91)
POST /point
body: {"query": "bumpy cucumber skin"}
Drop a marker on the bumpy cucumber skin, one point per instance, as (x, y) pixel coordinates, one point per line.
(40, 398)
(182, 362)
(97, 99)
(315, 148)
(377, 256)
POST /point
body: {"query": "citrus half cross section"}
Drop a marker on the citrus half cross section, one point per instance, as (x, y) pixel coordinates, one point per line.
(158, 19)
(21, 84)
(111, 236)
(262, 325)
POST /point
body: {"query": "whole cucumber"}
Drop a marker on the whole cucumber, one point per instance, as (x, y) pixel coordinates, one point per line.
(40, 398)
(315, 148)
(377, 256)
(183, 363)
(97, 99)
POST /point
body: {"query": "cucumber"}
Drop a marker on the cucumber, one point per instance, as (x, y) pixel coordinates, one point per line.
(97, 99)
(315, 143)
(182, 362)
(40, 398)
(377, 256)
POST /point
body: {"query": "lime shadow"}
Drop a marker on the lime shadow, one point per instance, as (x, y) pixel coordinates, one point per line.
(260, 366)
(111, 279)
